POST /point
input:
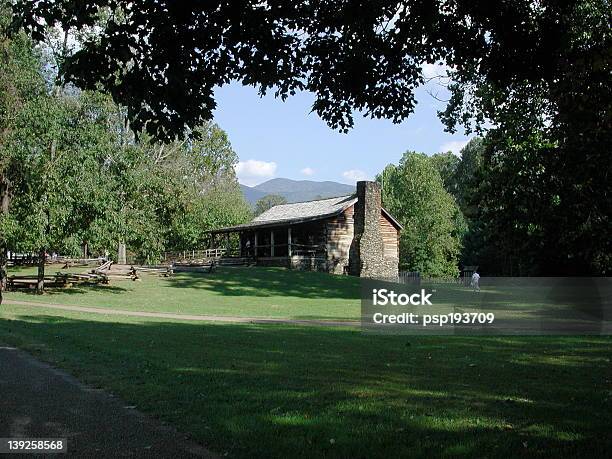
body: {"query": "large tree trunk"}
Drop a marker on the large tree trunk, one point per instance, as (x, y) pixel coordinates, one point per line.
(40, 285)
(5, 198)
(121, 254)
(3, 263)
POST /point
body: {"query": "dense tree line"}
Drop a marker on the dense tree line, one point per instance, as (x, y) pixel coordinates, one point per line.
(497, 211)
(74, 174)
(543, 187)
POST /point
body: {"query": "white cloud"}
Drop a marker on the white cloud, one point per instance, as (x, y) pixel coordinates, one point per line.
(454, 146)
(252, 171)
(308, 171)
(354, 175)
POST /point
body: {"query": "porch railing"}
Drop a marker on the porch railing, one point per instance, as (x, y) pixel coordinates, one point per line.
(264, 250)
(195, 254)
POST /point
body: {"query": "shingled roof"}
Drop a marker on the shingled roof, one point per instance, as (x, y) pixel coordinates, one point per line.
(306, 210)
(296, 212)
(299, 212)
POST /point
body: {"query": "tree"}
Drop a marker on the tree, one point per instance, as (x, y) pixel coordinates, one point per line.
(166, 196)
(547, 195)
(414, 192)
(162, 59)
(78, 175)
(20, 82)
(49, 139)
(469, 175)
(206, 188)
(58, 142)
(471, 184)
(267, 202)
(446, 164)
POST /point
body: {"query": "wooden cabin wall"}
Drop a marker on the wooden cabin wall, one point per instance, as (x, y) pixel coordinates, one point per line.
(335, 234)
(340, 231)
(390, 236)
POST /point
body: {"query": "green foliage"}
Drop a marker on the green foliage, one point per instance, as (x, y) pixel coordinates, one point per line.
(469, 181)
(20, 77)
(527, 214)
(499, 219)
(196, 185)
(469, 175)
(78, 175)
(414, 192)
(546, 190)
(537, 75)
(351, 58)
(267, 202)
(446, 164)
(20, 81)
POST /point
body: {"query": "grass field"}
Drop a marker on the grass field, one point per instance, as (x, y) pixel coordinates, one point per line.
(282, 391)
(279, 390)
(280, 293)
(260, 292)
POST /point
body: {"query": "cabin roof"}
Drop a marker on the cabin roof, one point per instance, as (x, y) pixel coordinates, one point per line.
(306, 210)
(300, 212)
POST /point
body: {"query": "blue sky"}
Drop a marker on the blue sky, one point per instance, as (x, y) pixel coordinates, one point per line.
(283, 139)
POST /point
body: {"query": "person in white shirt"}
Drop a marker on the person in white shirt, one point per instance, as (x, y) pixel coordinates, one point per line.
(476, 281)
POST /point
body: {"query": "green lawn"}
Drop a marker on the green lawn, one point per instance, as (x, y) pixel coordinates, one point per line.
(260, 292)
(284, 391)
(281, 293)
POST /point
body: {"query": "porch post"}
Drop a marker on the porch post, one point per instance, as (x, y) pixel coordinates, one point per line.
(271, 243)
(289, 241)
(255, 245)
(240, 245)
(227, 244)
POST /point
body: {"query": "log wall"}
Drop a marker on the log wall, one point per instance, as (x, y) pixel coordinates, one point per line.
(390, 236)
(340, 230)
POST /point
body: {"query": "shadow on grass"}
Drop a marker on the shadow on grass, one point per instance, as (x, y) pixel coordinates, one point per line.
(74, 290)
(78, 289)
(270, 282)
(279, 391)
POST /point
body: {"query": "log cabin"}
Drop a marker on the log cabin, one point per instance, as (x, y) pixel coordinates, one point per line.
(343, 235)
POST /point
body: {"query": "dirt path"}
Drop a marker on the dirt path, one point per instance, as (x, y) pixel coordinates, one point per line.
(195, 317)
(38, 401)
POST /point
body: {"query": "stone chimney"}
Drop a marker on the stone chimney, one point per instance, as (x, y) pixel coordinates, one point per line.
(366, 255)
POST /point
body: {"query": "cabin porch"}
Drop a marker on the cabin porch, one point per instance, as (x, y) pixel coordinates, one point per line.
(296, 246)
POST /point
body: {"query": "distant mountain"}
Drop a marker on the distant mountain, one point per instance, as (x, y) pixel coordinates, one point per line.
(296, 190)
(251, 194)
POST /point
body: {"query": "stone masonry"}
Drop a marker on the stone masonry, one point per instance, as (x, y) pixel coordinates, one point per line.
(366, 256)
